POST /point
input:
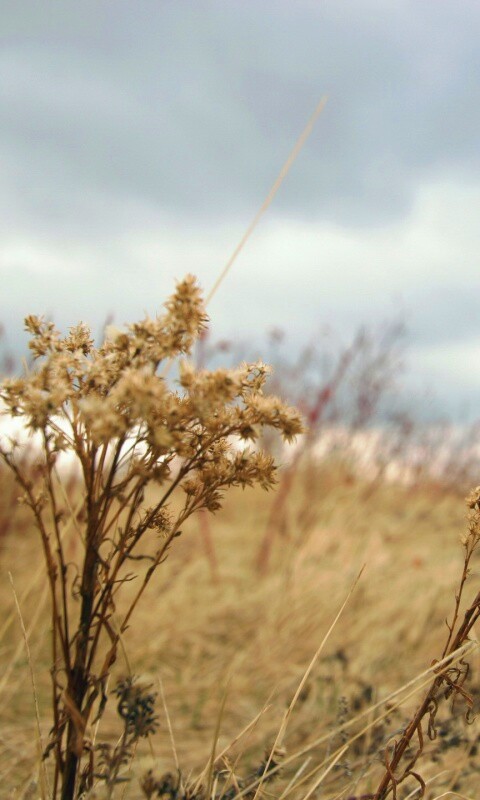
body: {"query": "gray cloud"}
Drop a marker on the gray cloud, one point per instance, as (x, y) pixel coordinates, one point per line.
(444, 315)
(191, 107)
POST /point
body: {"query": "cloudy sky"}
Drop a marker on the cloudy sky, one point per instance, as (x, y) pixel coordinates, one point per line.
(138, 139)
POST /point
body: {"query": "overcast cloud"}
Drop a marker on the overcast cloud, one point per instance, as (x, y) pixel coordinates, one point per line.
(137, 140)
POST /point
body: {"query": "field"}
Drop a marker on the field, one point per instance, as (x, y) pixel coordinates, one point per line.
(172, 630)
(225, 644)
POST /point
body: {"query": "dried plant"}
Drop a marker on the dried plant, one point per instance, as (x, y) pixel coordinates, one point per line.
(136, 708)
(400, 761)
(112, 409)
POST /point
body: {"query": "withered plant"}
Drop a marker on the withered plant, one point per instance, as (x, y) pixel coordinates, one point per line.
(449, 681)
(130, 432)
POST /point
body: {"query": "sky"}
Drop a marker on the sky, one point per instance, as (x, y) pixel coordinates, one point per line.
(138, 140)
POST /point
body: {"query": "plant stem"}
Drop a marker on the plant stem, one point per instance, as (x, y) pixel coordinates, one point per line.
(79, 675)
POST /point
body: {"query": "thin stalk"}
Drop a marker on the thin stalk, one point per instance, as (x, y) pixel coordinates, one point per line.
(58, 539)
(388, 780)
(78, 683)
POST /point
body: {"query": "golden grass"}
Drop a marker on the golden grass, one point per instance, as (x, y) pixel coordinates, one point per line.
(252, 639)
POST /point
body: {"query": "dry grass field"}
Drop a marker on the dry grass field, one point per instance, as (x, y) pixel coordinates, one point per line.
(170, 630)
(227, 648)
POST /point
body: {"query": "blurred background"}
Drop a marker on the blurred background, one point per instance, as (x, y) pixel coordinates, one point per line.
(138, 140)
